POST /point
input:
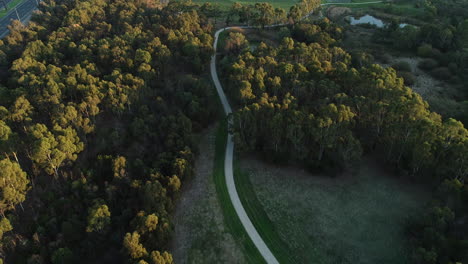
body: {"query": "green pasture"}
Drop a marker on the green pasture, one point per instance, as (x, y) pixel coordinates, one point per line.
(10, 5)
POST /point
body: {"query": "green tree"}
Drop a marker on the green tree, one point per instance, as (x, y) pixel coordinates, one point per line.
(21, 110)
(211, 10)
(294, 14)
(280, 15)
(51, 151)
(62, 256)
(13, 186)
(5, 131)
(246, 92)
(244, 13)
(235, 43)
(151, 222)
(264, 14)
(119, 165)
(133, 247)
(99, 218)
(158, 258)
(5, 226)
(308, 6)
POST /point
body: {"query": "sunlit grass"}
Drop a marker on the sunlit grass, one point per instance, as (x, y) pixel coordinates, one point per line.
(260, 219)
(10, 5)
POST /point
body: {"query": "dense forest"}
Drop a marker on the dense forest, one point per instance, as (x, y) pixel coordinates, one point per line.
(308, 101)
(98, 103)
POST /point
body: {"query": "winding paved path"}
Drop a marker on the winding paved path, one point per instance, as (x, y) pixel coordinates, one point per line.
(228, 172)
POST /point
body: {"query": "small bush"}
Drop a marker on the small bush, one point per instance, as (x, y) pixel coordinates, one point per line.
(428, 64)
(382, 56)
(408, 77)
(402, 66)
(455, 80)
(425, 51)
(453, 67)
(442, 73)
(284, 32)
(362, 59)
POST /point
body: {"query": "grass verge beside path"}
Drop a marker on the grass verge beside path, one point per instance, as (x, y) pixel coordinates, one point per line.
(260, 219)
(231, 219)
(10, 5)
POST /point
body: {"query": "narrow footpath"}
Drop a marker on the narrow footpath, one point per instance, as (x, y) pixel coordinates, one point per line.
(228, 171)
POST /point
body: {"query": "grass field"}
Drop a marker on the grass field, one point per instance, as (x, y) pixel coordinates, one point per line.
(10, 5)
(349, 219)
(233, 223)
(260, 219)
(405, 9)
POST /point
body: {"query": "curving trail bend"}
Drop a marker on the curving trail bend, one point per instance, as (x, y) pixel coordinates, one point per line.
(228, 171)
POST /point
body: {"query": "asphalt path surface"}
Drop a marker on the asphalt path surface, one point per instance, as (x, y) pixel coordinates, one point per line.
(24, 10)
(228, 171)
(244, 218)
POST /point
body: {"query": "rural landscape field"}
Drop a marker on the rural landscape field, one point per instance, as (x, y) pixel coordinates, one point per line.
(174, 131)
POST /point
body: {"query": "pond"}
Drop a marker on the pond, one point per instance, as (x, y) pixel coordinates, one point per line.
(368, 19)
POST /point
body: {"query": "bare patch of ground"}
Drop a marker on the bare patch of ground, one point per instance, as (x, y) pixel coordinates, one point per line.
(200, 235)
(440, 95)
(353, 218)
(336, 12)
(425, 84)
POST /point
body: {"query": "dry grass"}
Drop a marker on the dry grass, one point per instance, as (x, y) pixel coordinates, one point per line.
(440, 95)
(335, 12)
(348, 219)
(200, 234)
(425, 84)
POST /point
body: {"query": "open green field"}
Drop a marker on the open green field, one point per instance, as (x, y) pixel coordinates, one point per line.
(405, 9)
(317, 219)
(265, 227)
(10, 5)
(286, 4)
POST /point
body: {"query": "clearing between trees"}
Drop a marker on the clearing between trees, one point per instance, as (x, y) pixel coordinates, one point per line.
(351, 218)
(200, 234)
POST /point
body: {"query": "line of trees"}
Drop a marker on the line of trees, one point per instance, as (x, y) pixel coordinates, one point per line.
(307, 103)
(98, 101)
(263, 14)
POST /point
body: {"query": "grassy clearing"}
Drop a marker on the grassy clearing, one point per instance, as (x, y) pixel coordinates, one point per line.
(349, 219)
(10, 5)
(233, 223)
(200, 233)
(260, 219)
